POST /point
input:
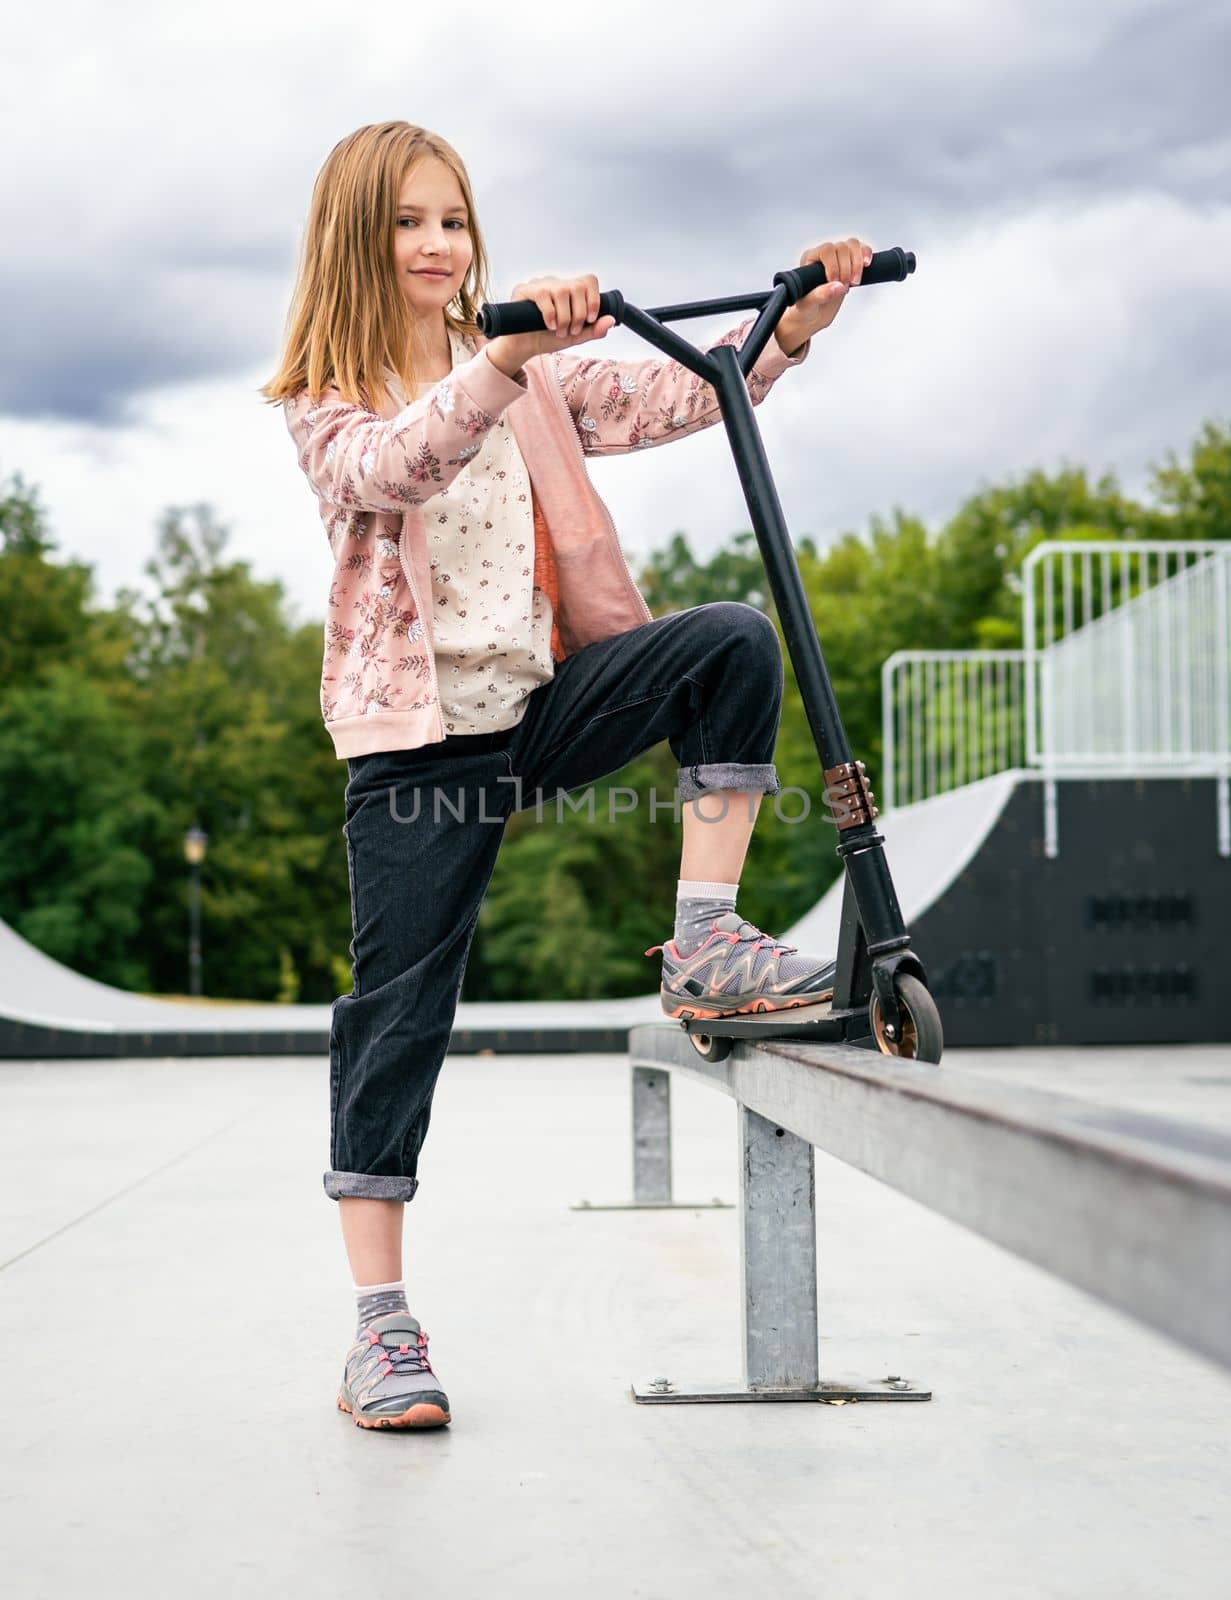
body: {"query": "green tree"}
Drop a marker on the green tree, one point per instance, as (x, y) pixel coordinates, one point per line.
(73, 872)
(195, 701)
(234, 744)
(1196, 499)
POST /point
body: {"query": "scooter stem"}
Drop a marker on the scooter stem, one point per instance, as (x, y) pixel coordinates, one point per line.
(883, 943)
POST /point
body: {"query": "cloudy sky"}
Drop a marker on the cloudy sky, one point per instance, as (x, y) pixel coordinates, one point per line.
(1063, 174)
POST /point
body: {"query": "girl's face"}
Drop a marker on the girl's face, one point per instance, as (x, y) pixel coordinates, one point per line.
(431, 234)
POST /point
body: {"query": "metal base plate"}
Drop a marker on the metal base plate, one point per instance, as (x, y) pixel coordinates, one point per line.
(664, 1391)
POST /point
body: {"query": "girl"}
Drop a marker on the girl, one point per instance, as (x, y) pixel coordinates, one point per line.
(484, 633)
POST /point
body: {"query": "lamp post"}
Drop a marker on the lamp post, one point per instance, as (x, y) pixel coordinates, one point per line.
(194, 854)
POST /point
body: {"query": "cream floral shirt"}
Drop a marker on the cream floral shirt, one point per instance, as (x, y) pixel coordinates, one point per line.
(490, 626)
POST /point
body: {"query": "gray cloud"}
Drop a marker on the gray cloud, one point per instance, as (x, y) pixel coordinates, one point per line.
(1062, 173)
(153, 237)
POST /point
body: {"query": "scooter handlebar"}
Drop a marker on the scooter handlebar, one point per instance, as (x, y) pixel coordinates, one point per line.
(886, 266)
(523, 316)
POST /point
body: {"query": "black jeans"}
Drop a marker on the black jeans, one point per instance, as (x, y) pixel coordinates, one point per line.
(423, 828)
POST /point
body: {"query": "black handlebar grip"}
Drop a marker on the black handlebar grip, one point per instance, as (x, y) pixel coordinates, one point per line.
(886, 266)
(523, 316)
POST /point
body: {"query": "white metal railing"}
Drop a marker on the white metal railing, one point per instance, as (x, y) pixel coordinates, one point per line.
(1126, 663)
(951, 717)
(1132, 652)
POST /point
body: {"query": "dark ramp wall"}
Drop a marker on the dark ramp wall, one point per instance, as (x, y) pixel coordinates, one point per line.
(1124, 938)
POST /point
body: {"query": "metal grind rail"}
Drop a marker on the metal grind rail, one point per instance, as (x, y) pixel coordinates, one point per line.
(1133, 1208)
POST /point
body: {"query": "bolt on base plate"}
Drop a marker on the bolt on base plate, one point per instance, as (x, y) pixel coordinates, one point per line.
(664, 1391)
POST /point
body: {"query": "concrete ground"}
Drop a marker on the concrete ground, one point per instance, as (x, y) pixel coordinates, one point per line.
(175, 1305)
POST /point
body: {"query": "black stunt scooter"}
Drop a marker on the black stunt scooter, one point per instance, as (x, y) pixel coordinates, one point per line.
(880, 998)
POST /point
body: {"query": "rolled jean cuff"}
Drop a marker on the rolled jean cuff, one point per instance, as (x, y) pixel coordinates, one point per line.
(368, 1186)
(700, 779)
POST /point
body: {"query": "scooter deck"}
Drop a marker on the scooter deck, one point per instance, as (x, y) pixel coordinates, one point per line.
(816, 1021)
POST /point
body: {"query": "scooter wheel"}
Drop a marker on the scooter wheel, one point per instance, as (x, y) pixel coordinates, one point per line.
(709, 1048)
(922, 1036)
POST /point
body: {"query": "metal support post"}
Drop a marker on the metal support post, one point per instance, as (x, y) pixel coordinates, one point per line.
(777, 1259)
(1051, 819)
(777, 1283)
(651, 1136)
(652, 1150)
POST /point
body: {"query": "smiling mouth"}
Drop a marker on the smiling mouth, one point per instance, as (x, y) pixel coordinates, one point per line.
(428, 272)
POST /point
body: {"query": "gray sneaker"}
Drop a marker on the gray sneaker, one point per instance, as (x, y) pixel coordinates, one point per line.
(738, 969)
(388, 1381)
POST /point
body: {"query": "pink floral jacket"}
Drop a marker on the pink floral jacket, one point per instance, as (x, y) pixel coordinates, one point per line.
(372, 472)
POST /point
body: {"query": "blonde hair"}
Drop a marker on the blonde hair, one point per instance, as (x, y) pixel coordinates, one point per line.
(348, 319)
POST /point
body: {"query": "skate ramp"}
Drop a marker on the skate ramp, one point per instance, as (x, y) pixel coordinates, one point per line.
(927, 845)
(48, 1010)
(1119, 937)
(41, 991)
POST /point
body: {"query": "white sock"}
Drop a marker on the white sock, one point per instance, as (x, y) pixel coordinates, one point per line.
(697, 889)
(375, 1299)
(697, 903)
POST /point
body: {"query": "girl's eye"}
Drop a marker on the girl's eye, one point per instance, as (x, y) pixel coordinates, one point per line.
(453, 222)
